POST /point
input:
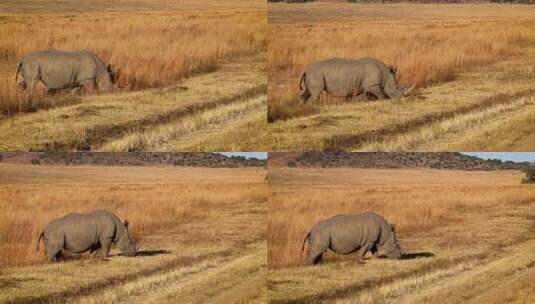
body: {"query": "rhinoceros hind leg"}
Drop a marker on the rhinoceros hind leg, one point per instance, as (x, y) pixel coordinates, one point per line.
(22, 84)
(314, 96)
(315, 258)
(53, 253)
(51, 92)
(316, 249)
(305, 96)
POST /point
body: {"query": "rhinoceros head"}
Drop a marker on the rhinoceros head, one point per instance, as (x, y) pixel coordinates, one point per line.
(126, 244)
(391, 245)
(107, 81)
(114, 73)
(391, 85)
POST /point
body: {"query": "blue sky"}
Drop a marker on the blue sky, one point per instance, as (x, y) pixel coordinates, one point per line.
(259, 155)
(513, 156)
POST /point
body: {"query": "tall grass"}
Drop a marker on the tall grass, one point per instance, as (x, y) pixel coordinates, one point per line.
(413, 209)
(425, 52)
(151, 49)
(148, 207)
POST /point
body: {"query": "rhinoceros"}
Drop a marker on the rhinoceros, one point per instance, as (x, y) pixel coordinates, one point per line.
(349, 78)
(348, 233)
(59, 70)
(82, 232)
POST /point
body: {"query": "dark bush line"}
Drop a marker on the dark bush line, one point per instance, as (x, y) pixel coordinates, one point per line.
(442, 160)
(190, 159)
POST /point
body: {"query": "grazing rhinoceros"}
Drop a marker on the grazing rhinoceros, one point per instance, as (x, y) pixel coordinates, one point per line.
(81, 232)
(346, 233)
(59, 70)
(349, 78)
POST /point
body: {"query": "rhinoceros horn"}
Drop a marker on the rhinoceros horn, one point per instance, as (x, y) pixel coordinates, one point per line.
(406, 91)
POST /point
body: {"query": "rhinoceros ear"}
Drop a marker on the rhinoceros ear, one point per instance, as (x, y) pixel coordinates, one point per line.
(393, 227)
(393, 69)
(126, 223)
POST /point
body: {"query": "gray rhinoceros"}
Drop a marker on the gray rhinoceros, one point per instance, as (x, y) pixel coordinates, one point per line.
(81, 232)
(59, 70)
(349, 78)
(348, 233)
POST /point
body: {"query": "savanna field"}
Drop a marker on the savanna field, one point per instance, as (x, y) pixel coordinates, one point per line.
(469, 62)
(170, 58)
(465, 236)
(188, 221)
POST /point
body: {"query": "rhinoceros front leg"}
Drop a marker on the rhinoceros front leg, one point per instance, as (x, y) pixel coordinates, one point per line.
(374, 251)
(88, 85)
(376, 91)
(105, 247)
(360, 254)
(76, 91)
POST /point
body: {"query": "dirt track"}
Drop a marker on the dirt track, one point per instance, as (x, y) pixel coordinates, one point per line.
(495, 114)
(503, 273)
(477, 252)
(156, 119)
(202, 255)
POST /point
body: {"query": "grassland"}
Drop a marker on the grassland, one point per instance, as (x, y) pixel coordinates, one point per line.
(190, 222)
(467, 237)
(185, 68)
(469, 62)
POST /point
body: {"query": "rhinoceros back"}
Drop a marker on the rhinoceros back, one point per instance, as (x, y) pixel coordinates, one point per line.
(350, 232)
(344, 77)
(82, 232)
(59, 69)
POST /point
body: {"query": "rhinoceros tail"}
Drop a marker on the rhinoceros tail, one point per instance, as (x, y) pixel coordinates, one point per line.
(41, 235)
(304, 241)
(302, 80)
(18, 71)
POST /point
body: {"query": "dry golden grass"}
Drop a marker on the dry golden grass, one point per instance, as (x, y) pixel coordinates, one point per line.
(446, 50)
(426, 51)
(426, 199)
(190, 222)
(451, 128)
(465, 232)
(187, 131)
(152, 49)
(150, 119)
(77, 6)
(147, 197)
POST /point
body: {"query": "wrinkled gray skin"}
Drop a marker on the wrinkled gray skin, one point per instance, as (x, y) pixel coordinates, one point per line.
(348, 233)
(59, 70)
(81, 232)
(350, 78)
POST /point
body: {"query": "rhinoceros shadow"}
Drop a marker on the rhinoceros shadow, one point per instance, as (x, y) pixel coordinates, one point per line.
(147, 253)
(416, 255)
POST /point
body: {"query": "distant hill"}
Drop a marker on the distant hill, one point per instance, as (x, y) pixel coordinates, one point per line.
(442, 160)
(190, 159)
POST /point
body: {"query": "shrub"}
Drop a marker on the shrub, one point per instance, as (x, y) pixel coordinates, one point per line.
(530, 175)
